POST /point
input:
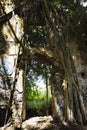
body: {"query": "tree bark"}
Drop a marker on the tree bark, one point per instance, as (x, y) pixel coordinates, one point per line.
(54, 99)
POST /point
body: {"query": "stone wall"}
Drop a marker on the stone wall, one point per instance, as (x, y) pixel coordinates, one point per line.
(82, 78)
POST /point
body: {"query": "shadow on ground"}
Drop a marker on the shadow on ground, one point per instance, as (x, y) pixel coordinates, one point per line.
(49, 123)
(44, 123)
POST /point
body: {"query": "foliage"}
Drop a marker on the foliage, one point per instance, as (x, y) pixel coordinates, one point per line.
(36, 98)
(36, 36)
(35, 69)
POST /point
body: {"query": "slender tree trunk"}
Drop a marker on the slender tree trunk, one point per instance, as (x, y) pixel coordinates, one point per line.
(54, 95)
(47, 94)
(54, 99)
(24, 93)
(56, 81)
(77, 113)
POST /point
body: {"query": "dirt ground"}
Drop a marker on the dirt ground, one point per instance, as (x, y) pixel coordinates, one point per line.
(45, 123)
(48, 123)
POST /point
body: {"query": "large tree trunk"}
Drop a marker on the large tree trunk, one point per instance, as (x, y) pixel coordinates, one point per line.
(59, 40)
(72, 97)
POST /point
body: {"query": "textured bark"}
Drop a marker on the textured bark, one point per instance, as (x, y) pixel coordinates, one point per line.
(60, 42)
(82, 108)
(73, 93)
(77, 113)
(54, 100)
(56, 81)
(47, 94)
(24, 93)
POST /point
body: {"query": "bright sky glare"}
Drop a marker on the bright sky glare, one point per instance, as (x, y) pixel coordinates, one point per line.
(84, 4)
(41, 84)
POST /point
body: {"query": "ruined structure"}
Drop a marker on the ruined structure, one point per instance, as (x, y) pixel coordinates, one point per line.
(15, 53)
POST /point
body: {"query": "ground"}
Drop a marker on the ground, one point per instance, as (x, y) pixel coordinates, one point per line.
(48, 123)
(45, 123)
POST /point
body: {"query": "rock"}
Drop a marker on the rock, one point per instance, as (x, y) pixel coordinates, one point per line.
(7, 127)
(38, 123)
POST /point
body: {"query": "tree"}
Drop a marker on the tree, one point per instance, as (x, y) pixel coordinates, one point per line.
(47, 36)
